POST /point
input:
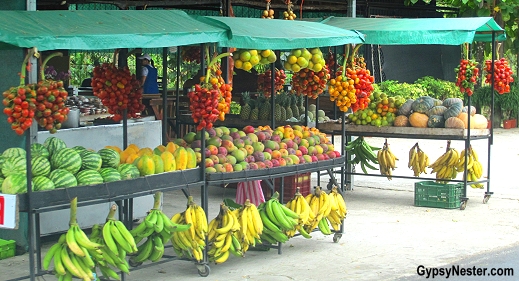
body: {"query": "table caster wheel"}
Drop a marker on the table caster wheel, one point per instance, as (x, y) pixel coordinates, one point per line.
(204, 270)
(463, 205)
(134, 264)
(486, 198)
(337, 237)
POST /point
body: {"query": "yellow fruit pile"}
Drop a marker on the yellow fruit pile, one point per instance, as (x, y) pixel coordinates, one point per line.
(342, 91)
(303, 58)
(247, 59)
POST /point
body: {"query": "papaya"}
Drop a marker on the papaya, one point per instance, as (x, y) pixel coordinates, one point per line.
(169, 161)
(181, 158)
(114, 147)
(145, 164)
(171, 147)
(191, 158)
(145, 151)
(132, 158)
(159, 164)
(125, 154)
(159, 149)
(133, 147)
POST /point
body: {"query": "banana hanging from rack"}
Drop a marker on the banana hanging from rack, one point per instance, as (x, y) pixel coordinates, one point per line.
(446, 166)
(386, 160)
(222, 235)
(321, 206)
(473, 166)
(251, 227)
(338, 210)
(418, 160)
(299, 205)
(363, 153)
(278, 220)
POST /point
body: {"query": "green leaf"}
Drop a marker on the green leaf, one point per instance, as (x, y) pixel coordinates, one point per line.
(483, 13)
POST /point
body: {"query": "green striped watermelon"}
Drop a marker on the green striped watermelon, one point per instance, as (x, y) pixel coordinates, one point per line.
(40, 166)
(42, 183)
(128, 171)
(66, 158)
(37, 149)
(79, 148)
(14, 184)
(2, 160)
(54, 144)
(110, 174)
(111, 158)
(14, 165)
(62, 178)
(13, 151)
(90, 160)
(88, 177)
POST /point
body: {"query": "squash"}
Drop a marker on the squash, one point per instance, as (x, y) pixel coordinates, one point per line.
(463, 116)
(436, 121)
(438, 102)
(472, 110)
(437, 110)
(418, 120)
(401, 121)
(480, 121)
(453, 111)
(450, 101)
(422, 104)
(405, 109)
(454, 123)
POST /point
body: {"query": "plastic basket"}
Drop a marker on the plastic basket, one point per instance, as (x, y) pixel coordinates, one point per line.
(7, 248)
(437, 195)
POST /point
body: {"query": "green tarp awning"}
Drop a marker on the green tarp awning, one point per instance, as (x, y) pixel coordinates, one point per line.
(107, 29)
(443, 31)
(256, 33)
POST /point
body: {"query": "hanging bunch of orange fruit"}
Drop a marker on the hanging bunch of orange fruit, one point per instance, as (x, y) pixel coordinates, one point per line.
(268, 13)
(310, 83)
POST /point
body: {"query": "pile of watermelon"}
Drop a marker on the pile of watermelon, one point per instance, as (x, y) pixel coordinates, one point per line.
(54, 165)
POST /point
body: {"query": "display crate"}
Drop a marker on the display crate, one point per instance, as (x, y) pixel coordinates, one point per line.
(303, 181)
(437, 195)
(7, 248)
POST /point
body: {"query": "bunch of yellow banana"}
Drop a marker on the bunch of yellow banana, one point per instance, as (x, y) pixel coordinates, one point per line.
(321, 207)
(299, 205)
(106, 260)
(474, 167)
(190, 243)
(445, 166)
(386, 161)
(251, 226)
(338, 209)
(277, 219)
(418, 160)
(221, 235)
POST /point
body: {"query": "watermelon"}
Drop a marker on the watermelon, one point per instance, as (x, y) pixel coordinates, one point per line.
(2, 160)
(90, 160)
(111, 158)
(14, 184)
(128, 171)
(14, 165)
(67, 159)
(110, 174)
(54, 144)
(62, 178)
(37, 149)
(40, 166)
(14, 151)
(42, 183)
(88, 177)
(79, 148)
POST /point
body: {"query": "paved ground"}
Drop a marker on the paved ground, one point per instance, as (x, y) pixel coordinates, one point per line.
(386, 237)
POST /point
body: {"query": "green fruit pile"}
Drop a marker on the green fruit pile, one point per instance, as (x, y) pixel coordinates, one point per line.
(298, 59)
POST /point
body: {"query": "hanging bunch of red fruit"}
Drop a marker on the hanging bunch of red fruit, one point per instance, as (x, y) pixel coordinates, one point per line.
(362, 80)
(118, 90)
(225, 97)
(191, 54)
(265, 81)
(502, 75)
(20, 101)
(309, 83)
(467, 75)
(330, 60)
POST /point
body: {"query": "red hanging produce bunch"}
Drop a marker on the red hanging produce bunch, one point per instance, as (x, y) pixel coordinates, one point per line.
(330, 60)
(361, 78)
(309, 83)
(225, 98)
(118, 90)
(265, 81)
(502, 75)
(467, 75)
(191, 54)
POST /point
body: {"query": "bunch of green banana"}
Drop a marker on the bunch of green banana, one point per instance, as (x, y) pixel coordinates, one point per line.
(190, 243)
(445, 166)
(251, 226)
(299, 205)
(362, 153)
(320, 205)
(277, 219)
(474, 167)
(222, 237)
(338, 209)
(108, 262)
(71, 254)
(418, 160)
(387, 161)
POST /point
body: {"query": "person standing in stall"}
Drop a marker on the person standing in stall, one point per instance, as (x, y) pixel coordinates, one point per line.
(148, 80)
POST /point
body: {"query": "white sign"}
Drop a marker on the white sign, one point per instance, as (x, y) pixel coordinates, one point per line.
(8, 211)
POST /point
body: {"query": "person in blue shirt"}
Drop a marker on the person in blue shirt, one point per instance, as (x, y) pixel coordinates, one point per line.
(148, 76)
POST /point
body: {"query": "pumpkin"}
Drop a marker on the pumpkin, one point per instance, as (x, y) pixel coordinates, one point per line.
(422, 104)
(450, 101)
(436, 121)
(437, 110)
(438, 102)
(472, 110)
(401, 121)
(418, 119)
(480, 121)
(453, 111)
(405, 109)
(463, 116)
(454, 123)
